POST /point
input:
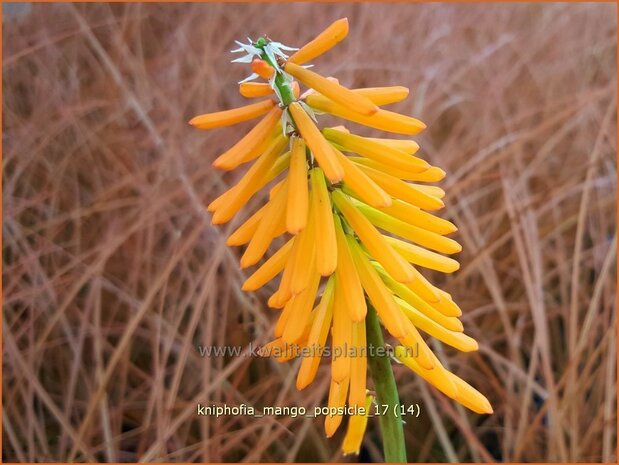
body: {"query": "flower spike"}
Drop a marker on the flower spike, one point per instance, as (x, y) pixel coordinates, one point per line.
(359, 225)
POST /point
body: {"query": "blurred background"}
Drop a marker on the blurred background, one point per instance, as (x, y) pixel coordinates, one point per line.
(113, 274)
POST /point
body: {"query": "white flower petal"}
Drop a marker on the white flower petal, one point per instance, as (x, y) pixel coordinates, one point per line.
(243, 59)
(308, 110)
(251, 77)
(283, 47)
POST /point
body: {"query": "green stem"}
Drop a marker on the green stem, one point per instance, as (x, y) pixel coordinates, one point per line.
(386, 392)
(283, 86)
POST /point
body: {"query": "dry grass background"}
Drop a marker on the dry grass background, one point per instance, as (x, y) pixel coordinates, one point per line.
(112, 273)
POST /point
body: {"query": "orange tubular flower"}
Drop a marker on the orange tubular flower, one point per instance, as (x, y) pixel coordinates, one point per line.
(255, 89)
(326, 40)
(229, 117)
(317, 143)
(339, 94)
(358, 218)
(262, 69)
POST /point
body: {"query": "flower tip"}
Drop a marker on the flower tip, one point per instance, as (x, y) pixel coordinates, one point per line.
(194, 121)
(330, 428)
(302, 383)
(335, 177)
(245, 262)
(212, 207)
(328, 271)
(217, 219)
(427, 365)
(220, 164)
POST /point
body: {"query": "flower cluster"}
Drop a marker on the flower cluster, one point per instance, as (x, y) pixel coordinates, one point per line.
(358, 212)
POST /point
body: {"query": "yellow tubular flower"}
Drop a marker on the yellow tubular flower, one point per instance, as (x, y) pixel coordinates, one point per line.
(470, 397)
(341, 336)
(422, 257)
(219, 201)
(409, 214)
(446, 305)
(326, 40)
(413, 340)
(455, 339)
(419, 285)
(305, 258)
(423, 237)
(414, 215)
(316, 142)
(361, 184)
(262, 181)
(399, 268)
(269, 269)
(405, 145)
(275, 189)
(437, 377)
(249, 146)
(432, 174)
(356, 429)
(403, 190)
(302, 305)
(377, 95)
(448, 322)
(376, 151)
(282, 162)
(355, 102)
(266, 229)
(283, 319)
(243, 234)
(434, 191)
(326, 248)
(379, 295)
(230, 117)
(348, 277)
(284, 292)
(249, 184)
(317, 337)
(255, 89)
(422, 287)
(337, 399)
(297, 206)
(276, 346)
(382, 119)
(384, 95)
(358, 365)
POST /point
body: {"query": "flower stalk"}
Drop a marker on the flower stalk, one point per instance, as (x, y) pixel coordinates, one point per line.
(390, 423)
(283, 85)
